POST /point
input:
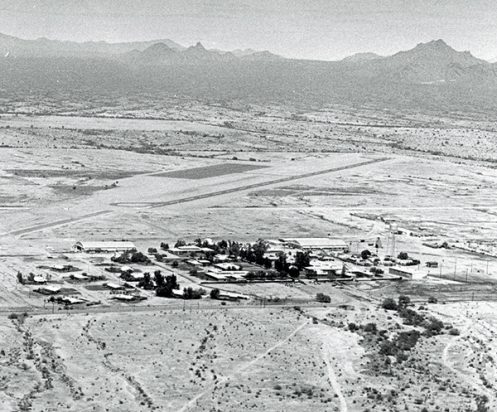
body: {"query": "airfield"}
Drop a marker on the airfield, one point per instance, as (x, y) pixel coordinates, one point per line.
(65, 179)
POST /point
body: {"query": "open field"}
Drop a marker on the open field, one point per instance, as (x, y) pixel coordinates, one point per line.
(243, 359)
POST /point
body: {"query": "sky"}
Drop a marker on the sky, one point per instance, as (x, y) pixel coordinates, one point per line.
(313, 29)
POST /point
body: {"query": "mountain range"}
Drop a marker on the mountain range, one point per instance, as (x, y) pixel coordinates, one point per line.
(430, 75)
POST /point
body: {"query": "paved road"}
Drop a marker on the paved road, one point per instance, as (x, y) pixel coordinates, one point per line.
(42, 226)
(254, 185)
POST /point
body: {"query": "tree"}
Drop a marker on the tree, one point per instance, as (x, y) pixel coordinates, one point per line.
(215, 293)
(234, 248)
(365, 254)
(302, 260)
(164, 246)
(294, 272)
(222, 244)
(158, 278)
(20, 279)
(250, 276)
(259, 249)
(403, 256)
(179, 243)
(139, 257)
(146, 282)
(167, 288)
(267, 263)
(152, 250)
(281, 264)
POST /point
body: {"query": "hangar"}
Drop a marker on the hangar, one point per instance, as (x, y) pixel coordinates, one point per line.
(111, 246)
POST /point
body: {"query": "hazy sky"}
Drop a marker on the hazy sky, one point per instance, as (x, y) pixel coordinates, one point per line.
(320, 29)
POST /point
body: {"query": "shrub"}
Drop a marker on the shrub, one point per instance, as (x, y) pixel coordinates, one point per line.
(411, 317)
(433, 326)
(432, 299)
(353, 327)
(370, 327)
(321, 297)
(454, 332)
(404, 301)
(389, 304)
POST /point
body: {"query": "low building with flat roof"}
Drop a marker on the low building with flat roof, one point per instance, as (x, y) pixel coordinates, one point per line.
(318, 243)
(104, 246)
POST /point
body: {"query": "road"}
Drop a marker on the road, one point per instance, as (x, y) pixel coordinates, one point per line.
(60, 222)
(255, 185)
(186, 305)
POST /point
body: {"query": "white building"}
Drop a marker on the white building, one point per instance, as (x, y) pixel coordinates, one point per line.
(111, 246)
(318, 243)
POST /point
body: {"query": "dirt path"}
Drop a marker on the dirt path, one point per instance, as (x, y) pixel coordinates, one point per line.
(327, 354)
(192, 402)
(469, 329)
(136, 389)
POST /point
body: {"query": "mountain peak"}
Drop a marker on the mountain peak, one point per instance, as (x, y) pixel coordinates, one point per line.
(199, 46)
(435, 45)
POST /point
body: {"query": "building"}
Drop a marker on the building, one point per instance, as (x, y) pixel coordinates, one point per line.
(48, 290)
(225, 266)
(190, 250)
(318, 243)
(100, 247)
(323, 268)
(400, 272)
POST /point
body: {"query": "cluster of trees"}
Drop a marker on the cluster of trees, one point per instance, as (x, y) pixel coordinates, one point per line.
(131, 257)
(30, 278)
(302, 260)
(399, 344)
(260, 274)
(190, 293)
(432, 325)
(163, 285)
(255, 254)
